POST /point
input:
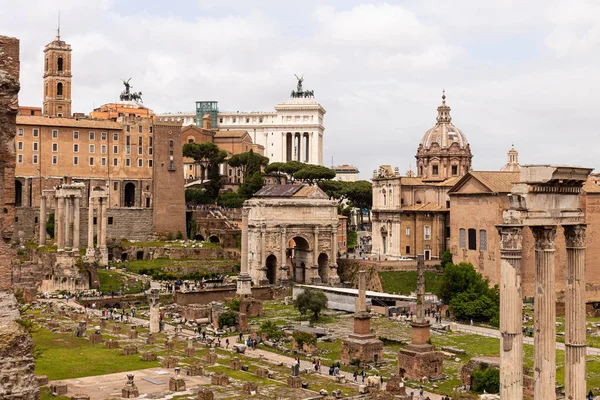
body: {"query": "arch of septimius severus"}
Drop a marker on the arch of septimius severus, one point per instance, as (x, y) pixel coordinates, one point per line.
(289, 232)
(545, 198)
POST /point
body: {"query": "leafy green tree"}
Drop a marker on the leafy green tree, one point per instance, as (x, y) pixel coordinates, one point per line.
(50, 225)
(197, 196)
(279, 169)
(251, 185)
(311, 301)
(360, 195)
(230, 200)
(249, 162)
(334, 189)
(460, 278)
(446, 258)
(270, 329)
(352, 239)
(211, 154)
(313, 174)
(227, 319)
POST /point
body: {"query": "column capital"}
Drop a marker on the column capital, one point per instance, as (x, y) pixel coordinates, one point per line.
(545, 237)
(575, 235)
(511, 238)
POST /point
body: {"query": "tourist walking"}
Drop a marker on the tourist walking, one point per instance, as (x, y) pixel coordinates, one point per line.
(421, 392)
(227, 343)
(590, 395)
(364, 375)
(355, 375)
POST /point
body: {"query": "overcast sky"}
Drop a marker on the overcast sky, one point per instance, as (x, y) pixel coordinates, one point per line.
(522, 72)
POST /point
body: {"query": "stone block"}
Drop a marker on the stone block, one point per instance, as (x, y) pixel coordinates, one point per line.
(74, 317)
(42, 380)
(250, 388)
(251, 307)
(395, 385)
(102, 323)
(130, 349)
(149, 356)
(116, 329)
(176, 384)
(150, 339)
(363, 389)
(112, 344)
(133, 334)
(60, 388)
(294, 382)
(417, 364)
(169, 345)
(95, 337)
(170, 362)
(130, 392)
(205, 394)
(235, 364)
(219, 380)
(242, 322)
(190, 351)
(80, 396)
(195, 370)
(262, 372)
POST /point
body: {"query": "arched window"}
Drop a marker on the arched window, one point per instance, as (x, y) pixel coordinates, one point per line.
(59, 89)
(46, 63)
(60, 64)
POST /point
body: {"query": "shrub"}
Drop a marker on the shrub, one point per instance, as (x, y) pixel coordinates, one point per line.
(446, 258)
(486, 379)
(234, 304)
(50, 225)
(227, 319)
(303, 338)
(179, 235)
(270, 329)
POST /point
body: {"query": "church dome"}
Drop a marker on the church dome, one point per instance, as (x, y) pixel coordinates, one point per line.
(444, 133)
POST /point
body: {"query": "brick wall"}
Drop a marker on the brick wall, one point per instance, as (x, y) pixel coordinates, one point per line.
(9, 106)
(169, 200)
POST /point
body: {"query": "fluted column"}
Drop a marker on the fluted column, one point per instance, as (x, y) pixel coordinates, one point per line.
(76, 220)
(90, 244)
(244, 280)
(333, 244)
(59, 222)
(544, 313)
(103, 222)
(67, 222)
(42, 221)
(575, 323)
(511, 310)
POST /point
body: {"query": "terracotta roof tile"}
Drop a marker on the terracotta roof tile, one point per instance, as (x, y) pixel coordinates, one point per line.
(231, 133)
(591, 186)
(497, 181)
(67, 122)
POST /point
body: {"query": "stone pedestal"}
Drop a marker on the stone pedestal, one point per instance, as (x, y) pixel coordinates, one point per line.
(95, 337)
(395, 385)
(205, 394)
(170, 362)
(149, 356)
(80, 396)
(150, 339)
(42, 380)
(81, 329)
(116, 328)
(417, 361)
(59, 388)
(103, 323)
(195, 370)
(154, 300)
(235, 364)
(130, 392)
(211, 357)
(262, 373)
(294, 382)
(176, 384)
(112, 344)
(219, 380)
(169, 345)
(244, 285)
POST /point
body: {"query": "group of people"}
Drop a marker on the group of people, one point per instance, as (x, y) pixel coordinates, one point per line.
(114, 312)
(421, 395)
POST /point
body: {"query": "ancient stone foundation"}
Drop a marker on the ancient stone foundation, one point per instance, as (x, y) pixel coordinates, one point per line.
(262, 372)
(42, 380)
(205, 394)
(169, 345)
(149, 356)
(130, 349)
(195, 370)
(251, 307)
(294, 382)
(95, 337)
(211, 357)
(112, 344)
(235, 364)
(133, 334)
(59, 388)
(116, 329)
(250, 388)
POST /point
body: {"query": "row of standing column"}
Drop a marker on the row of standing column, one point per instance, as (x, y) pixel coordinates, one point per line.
(66, 222)
(511, 346)
(99, 204)
(303, 153)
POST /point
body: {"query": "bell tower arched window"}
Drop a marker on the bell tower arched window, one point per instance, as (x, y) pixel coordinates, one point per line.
(59, 89)
(60, 64)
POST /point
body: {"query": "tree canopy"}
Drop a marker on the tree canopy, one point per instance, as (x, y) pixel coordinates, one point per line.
(312, 174)
(249, 162)
(279, 169)
(210, 154)
(311, 301)
(468, 295)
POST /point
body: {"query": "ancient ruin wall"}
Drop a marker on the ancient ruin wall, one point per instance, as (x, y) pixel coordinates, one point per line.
(17, 378)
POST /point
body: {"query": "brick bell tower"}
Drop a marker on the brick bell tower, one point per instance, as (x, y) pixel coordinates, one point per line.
(57, 78)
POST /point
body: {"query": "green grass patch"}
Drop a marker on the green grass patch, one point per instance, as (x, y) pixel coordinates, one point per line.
(113, 281)
(205, 245)
(65, 356)
(405, 282)
(46, 394)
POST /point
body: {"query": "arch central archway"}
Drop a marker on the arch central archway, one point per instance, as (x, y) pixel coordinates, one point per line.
(271, 264)
(323, 262)
(299, 254)
(129, 195)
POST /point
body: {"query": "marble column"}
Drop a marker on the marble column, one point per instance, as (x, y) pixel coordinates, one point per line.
(90, 238)
(59, 222)
(102, 232)
(333, 245)
(511, 313)
(244, 286)
(361, 300)
(575, 322)
(283, 248)
(76, 222)
(544, 313)
(42, 221)
(316, 246)
(67, 223)
(420, 310)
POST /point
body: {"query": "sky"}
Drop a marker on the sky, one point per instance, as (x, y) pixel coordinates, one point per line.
(515, 72)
